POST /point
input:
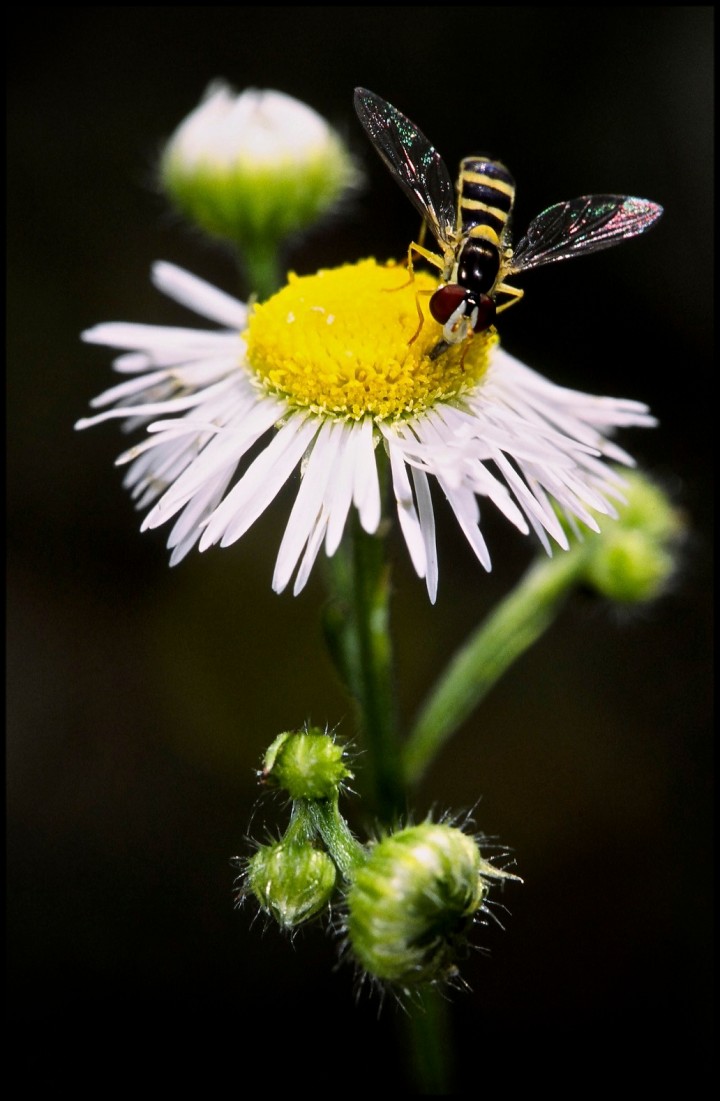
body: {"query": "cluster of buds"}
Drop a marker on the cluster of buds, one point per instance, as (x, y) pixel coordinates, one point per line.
(293, 879)
(408, 900)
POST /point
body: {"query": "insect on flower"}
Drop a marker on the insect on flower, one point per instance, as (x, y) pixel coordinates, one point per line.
(473, 231)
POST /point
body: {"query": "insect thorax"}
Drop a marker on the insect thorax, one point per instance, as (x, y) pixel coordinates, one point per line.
(478, 266)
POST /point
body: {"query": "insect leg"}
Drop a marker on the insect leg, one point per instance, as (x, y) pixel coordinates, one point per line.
(431, 257)
(514, 292)
(442, 346)
(421, 315)
(466, 349)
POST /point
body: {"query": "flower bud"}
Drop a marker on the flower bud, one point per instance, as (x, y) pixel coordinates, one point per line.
(258, 165)
(307, 764)
(633, 558)
(412, 903)
(291, 882)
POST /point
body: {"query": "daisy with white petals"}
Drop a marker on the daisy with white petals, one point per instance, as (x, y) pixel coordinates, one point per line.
(324, 379)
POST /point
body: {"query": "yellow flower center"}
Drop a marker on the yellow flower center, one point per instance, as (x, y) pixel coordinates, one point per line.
(339, 343)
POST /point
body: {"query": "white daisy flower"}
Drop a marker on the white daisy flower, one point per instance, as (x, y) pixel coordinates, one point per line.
(324, 375)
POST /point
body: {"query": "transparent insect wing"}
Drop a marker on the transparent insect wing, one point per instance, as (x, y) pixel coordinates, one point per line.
(413, 161)
(583, 225)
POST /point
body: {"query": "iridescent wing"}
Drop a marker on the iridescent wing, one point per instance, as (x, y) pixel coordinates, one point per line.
(583, 225)
(412, 160)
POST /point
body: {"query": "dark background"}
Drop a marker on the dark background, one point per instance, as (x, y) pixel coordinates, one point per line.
(141, 698)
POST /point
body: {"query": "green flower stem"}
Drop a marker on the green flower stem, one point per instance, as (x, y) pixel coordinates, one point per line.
(357, 631)
(345, 849)
(262, 265)
(431, 1042)
(301, 828)
(511, 629)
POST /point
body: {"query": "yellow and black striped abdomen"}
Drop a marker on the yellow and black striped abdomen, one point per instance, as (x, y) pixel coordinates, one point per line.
(486, 192)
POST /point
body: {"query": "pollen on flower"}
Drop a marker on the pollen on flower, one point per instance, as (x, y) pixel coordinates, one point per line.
(338, 343)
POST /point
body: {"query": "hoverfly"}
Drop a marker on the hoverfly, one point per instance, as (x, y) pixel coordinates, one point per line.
(473, 232)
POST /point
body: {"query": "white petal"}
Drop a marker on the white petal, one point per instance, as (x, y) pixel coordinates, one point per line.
(189, 525)
(464, 506)
(220, 349)
(154, 473)
(306, 509)
(260, 483)
(133, 335)
(366, 492)
(344, 481)
(407, 515)
(199, 296)
(153, 408)
(223, 452)
(312, 550)
(482, 481)
(427, 523)
(129, 389)
(529, 503)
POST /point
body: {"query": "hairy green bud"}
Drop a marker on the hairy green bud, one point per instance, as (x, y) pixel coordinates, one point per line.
(307, 764)
(413, 902)
(292, 882)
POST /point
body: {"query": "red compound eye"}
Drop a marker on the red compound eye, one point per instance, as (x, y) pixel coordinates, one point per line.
(485, 313)
(445, 301)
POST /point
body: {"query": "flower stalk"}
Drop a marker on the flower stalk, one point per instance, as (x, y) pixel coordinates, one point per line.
(262, 268)
(346, 851)
(357, 629)
(630, 560)
(509, 631)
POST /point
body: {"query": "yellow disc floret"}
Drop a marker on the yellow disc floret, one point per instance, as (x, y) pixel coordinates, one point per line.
(339, 343)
